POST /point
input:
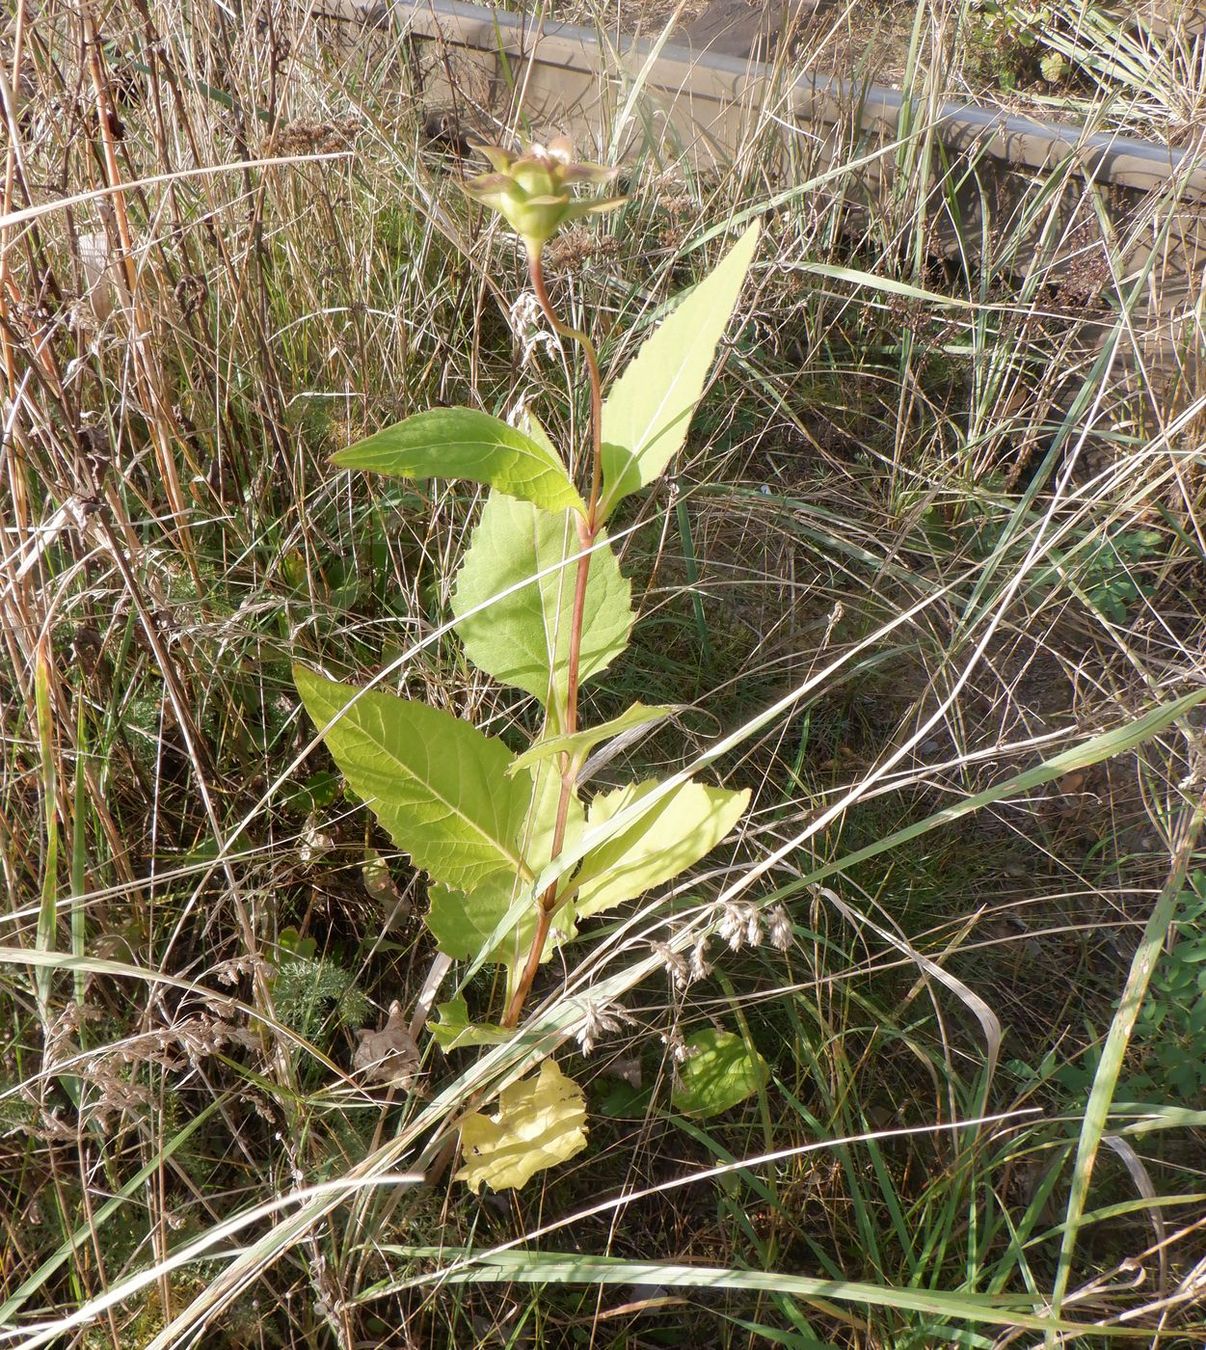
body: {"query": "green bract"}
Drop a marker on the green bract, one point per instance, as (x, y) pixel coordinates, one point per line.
(532, 191)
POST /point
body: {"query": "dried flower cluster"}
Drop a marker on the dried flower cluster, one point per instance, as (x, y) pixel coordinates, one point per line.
(527, 323)
(744, 924)
(685, 970)
(305, 137)
(599, 1021)
(109, 1075)
(571, 251)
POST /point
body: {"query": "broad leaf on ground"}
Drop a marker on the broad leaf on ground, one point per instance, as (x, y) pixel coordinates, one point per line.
(464, 443)
(523, 639)
(540, 1122)
(721, 1071)
(648, 410)
(673, 834)
(437, 784)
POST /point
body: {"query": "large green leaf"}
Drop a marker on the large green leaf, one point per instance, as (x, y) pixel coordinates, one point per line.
(491, 921)
(636, 718)
(721, 1071)
(438, 785)
(464, 443)
(648, 409)
(676, 831)
(496, 921)
(540, 1122)
(540, 825)
(523, 638)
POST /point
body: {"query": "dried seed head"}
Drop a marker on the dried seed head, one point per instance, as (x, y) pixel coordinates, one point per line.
(700, 967)
(599, 1021)
(782, 934)
(572, 250)
(675, 963)
(527, 323)
(740, 924)
(674, 1043)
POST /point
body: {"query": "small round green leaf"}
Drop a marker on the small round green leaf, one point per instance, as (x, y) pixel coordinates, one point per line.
(722, 1071)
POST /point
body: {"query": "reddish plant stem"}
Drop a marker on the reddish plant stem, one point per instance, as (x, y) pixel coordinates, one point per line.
(588, 532)
(536, 272)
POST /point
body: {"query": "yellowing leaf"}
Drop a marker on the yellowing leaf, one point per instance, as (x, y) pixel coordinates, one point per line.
(539, 1122)
(437, 784)
(465, 443)
(649, 408)
(673, 834)
(523, 638)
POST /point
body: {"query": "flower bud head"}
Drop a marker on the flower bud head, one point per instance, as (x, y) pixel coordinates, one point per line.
(533, 191)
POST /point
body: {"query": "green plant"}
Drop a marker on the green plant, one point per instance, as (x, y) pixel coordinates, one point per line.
(306, 990)
(516, 858)
(1000, 46)
(1168, 1046)
(1104, 566)
(1111, 587)
(1015, 43)
(823, 545)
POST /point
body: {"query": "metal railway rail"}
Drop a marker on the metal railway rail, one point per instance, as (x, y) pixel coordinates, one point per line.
(479, 68)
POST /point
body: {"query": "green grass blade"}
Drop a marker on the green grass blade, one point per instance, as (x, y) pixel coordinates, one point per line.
(1105, 1080)
(537, 1267)
(43, 975)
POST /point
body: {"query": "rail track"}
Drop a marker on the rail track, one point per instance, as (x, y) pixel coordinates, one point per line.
(479, 68)
(710, 99)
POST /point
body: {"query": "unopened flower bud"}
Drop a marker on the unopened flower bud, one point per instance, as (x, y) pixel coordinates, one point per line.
(532, 191)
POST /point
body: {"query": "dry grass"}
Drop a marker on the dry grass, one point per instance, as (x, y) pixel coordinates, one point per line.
(945, 517)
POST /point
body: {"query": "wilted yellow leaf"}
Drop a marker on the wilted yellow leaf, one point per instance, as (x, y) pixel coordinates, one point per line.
(540, 1122)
